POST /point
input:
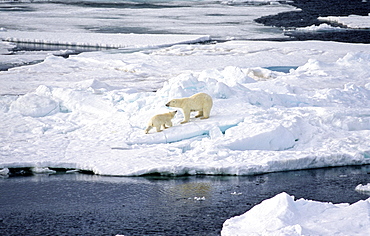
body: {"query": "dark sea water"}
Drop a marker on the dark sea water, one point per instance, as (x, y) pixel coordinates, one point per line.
(285, 22)
(80, 204)
(308, 16)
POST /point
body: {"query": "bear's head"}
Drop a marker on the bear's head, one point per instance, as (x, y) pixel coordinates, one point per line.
(172, 103)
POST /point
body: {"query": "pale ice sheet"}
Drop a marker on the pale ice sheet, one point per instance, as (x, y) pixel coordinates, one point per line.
(283, 215)
(320, 28)
(219, 19)
(147, 70)
(351, 21)
(101, 40)
(363, 188)
(89, 111)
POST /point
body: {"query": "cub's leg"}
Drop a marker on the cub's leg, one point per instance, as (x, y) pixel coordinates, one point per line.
(158, 128)
(168, 123)
(200, 114)
(148, 129)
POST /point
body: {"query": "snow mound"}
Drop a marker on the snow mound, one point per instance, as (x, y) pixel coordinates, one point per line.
(282, 215)
(246, 136)
(35, 105)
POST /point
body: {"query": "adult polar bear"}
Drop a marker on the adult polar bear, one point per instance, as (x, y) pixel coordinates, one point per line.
(200, 102)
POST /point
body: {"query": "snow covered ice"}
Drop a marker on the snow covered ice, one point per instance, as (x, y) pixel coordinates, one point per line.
(282, 215)
(363, 188)
(89, 111)
(352, 21)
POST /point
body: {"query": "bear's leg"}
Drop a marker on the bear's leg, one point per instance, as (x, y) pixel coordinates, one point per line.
(206, 113)
(200, 114)
(158, 128)
(148, 129)
(169, 124)
(186, 116)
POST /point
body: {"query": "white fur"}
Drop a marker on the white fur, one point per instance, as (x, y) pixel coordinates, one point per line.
(160, 120)
(200, 102)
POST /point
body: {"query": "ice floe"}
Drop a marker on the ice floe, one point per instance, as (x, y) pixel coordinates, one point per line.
(316, 115)
(363, 188)
(100, 40)
(320, 28)
(283, 215)
(351, 21)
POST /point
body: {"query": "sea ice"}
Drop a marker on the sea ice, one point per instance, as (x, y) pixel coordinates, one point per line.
(321, 27)
(282, 215)
(100, 40)
(363, 188)
(351, 21)
(316, 115)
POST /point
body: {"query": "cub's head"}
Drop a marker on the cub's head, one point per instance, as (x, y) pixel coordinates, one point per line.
(173, 113)
(173, 103)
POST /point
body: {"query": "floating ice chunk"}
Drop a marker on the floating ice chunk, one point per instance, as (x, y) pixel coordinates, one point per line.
(320, 28)
(351, 21)
(35, 105)
(260, 136)
(42, 170)
(363, 188)
(4, 171)
(282, 215)
(257, 2)
(269, 216)
(200, 198)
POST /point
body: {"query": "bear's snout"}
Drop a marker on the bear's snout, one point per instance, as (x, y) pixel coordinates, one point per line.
(167, 104)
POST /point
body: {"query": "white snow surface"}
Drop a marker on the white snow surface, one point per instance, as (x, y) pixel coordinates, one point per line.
(89, 111)
(351, 21)
(220, 19)
(320, 28)
(282, 215)
(363, 188)
(100, 40)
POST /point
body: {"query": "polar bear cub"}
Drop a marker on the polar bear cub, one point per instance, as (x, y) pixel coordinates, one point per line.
(200, 102)
(160, 120)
